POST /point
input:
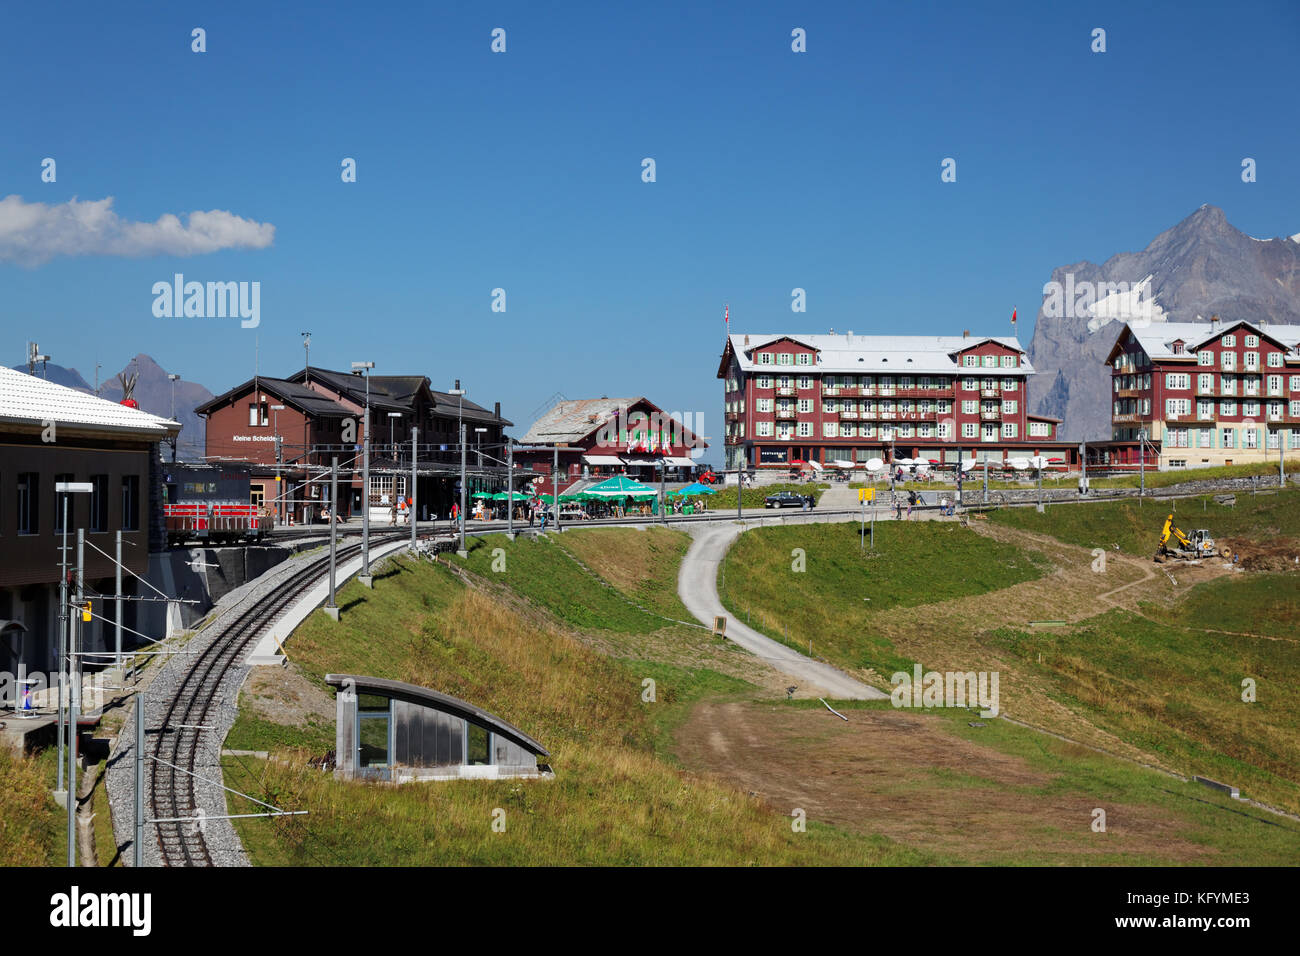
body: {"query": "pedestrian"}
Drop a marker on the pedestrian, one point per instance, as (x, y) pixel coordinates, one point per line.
(911, 503)
(392, 515)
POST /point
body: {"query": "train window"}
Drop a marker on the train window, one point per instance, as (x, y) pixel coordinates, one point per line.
(99, 503)
(28, 502)
(130, 502)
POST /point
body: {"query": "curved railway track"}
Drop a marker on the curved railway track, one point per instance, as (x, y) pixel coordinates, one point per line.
(177, 745)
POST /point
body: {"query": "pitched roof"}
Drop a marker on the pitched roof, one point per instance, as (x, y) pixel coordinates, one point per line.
(300, 397)
(877, 354)
(1157, 338)
(573, 420)
(27, 400)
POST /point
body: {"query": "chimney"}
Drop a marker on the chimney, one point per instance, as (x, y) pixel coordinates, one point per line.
(832, 331)
(496, 409)
(965, 333)
(1214, 321)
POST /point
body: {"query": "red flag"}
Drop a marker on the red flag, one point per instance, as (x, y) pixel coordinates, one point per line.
(726, 317)
(1013, 316)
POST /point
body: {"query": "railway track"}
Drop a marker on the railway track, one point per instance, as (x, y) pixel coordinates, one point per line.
(174, 773)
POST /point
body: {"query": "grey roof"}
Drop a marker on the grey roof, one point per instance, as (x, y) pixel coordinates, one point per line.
(302, 398)
(28, 400)
(447, 404)
(572, 420)
(444, 702)
(1157, 338)
(876, 354)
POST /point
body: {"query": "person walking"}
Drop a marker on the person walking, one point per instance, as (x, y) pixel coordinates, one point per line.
(911, 503)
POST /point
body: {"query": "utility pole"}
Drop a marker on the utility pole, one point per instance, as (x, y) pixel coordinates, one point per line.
(460, 431)
(64, 624)
(74, 701)
(138, 842)
(663, 488)
(65, 488)
(410, 512)
(331, 608)
(555, 483)
(510, 488)
(1083, 464)
(364, 577)
(1281, 469)
(463, 550)
(117, 611)
(1142, 467)
(986, 478)
(306, 344)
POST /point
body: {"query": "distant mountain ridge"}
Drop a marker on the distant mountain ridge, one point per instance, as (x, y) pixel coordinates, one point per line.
(153, 390)
(1203, 266)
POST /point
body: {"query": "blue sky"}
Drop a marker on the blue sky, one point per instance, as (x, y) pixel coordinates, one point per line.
(522, 171)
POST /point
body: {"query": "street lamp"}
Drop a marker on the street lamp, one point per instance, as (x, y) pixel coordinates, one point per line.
(363, 369)
(460, 434)
(279, 480)
(172, 377)
(392, 425)
(66, 488)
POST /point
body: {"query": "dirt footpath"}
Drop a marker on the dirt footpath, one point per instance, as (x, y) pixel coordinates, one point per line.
(906, 776)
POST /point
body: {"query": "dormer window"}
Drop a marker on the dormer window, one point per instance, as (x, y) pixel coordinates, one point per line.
(1178, 346)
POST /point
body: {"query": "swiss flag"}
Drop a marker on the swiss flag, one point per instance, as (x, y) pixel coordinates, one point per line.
(1013, 316)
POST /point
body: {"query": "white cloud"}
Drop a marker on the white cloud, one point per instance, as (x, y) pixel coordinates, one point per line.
(34, 233)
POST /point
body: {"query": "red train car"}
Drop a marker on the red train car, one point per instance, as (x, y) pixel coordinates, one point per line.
(211, 504)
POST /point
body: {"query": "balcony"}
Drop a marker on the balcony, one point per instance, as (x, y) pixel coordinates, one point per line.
(1131, 417)
(830, 390)
(989, 393)
(943, 392)
(884, 415)
(848, 414)
(786, 413)
(1128, 393)
(990, 416)
(785, 391)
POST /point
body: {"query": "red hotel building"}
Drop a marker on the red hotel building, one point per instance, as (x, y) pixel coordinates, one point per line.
(1207, 393)
(850, 398)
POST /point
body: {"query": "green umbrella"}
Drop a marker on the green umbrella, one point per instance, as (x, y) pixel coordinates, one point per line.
(619, 487)
(480, 494)
(515, 496)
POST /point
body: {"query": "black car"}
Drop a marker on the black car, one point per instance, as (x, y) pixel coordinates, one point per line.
(784, 499)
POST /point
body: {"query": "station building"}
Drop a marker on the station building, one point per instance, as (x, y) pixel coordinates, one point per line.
(842, 400)
(289, 430)
(597, 438)
(48, 434)
(1206, 393)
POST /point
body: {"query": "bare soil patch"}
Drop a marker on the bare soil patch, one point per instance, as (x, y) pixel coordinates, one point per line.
(907, 777)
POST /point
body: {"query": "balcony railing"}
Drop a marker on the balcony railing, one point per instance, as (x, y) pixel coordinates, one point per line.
(830, 390)
(785, 391)
(989, 393)
(990, 416)
(848, 414)
(786, 413)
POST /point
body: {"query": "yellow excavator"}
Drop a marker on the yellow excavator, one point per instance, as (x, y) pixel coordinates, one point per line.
(1175, 544)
